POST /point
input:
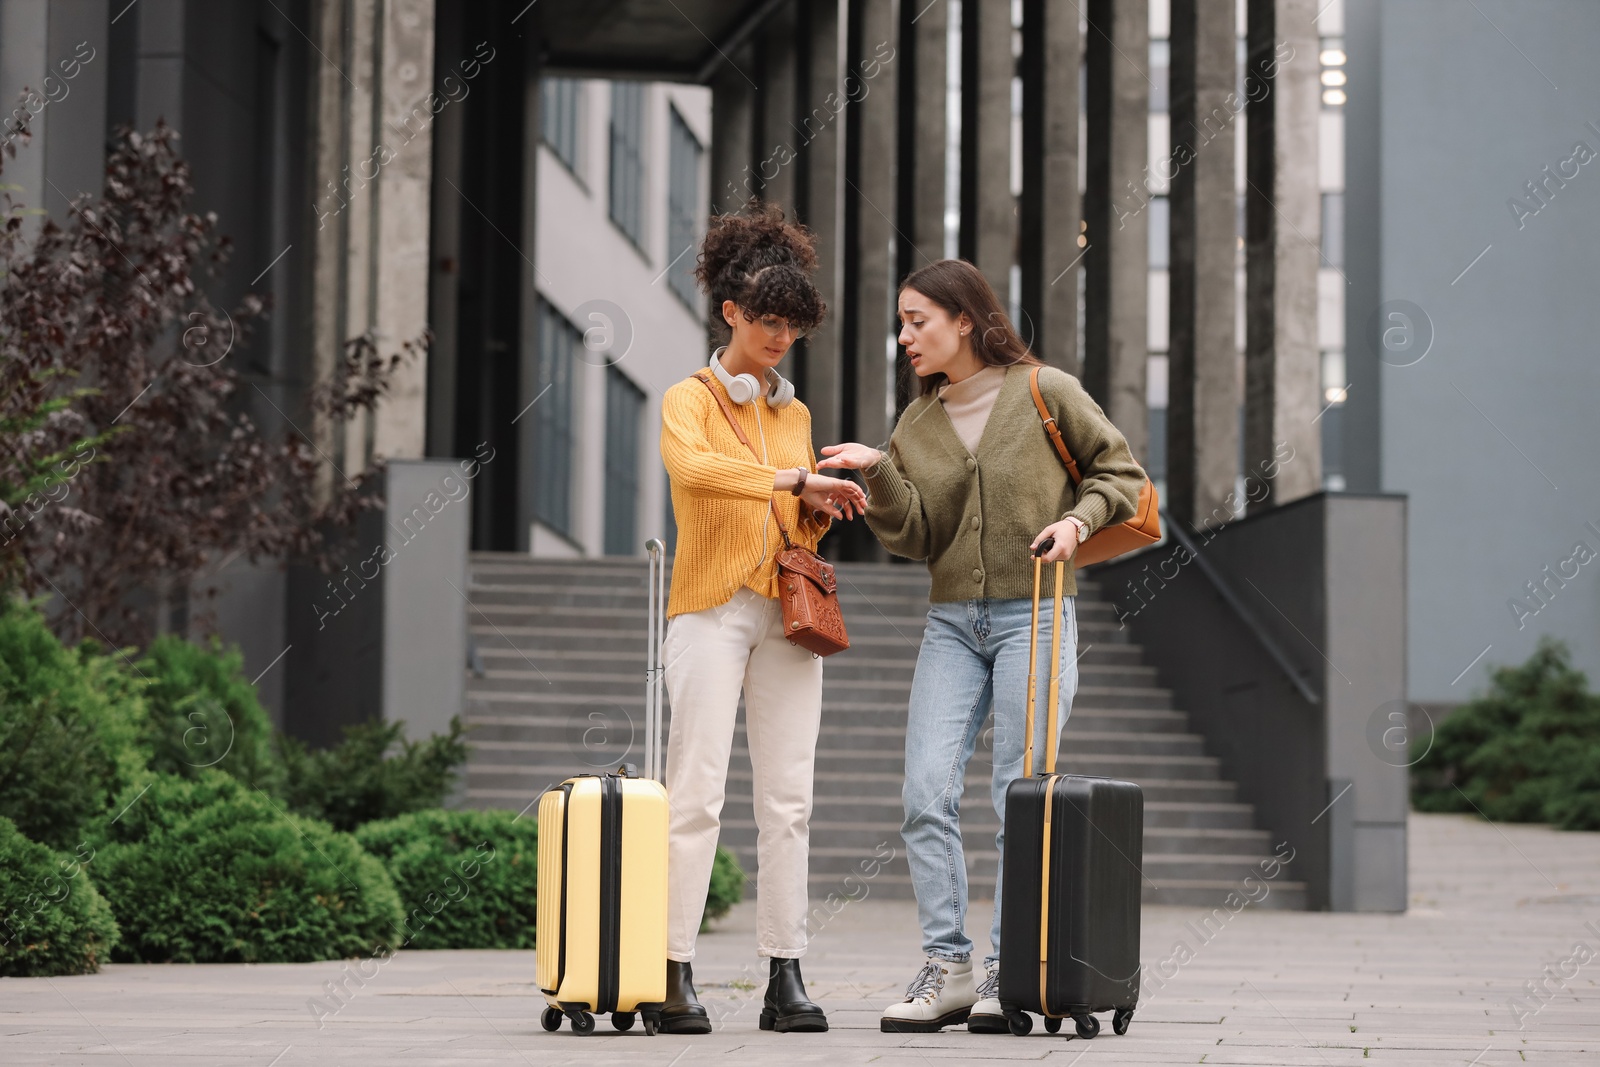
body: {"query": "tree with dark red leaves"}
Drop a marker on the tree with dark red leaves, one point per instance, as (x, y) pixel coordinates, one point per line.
(130, 473)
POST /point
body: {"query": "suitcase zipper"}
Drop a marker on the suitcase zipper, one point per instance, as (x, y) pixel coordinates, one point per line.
(561, 941)
(610, 892)
(1044, 898)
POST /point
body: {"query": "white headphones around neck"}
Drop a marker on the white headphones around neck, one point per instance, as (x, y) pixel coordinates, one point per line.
(744, 388)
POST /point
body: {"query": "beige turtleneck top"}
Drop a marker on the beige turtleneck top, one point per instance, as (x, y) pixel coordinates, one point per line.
(969, 401)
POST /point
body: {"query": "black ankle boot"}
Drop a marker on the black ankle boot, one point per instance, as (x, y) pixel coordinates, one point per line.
(787, 1009)
(682, 1012)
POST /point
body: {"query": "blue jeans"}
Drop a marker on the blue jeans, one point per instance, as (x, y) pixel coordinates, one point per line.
(974, 655)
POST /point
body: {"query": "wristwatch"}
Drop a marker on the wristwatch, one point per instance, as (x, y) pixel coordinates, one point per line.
(1083, 528)
(800, 485)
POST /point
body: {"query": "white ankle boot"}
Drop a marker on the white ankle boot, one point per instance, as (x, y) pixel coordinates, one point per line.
(986, 1016)
(942, 994)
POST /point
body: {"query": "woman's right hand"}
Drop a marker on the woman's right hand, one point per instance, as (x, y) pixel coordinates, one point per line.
(839, 497)
(851, 455)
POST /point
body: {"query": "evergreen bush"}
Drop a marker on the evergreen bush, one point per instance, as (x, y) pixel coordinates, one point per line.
(52, 921)
(207, 870)
(1526, 751)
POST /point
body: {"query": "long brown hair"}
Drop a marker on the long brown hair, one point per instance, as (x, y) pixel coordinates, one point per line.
(958, 286)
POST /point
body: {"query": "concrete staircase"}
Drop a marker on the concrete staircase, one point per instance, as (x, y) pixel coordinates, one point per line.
(557, 688)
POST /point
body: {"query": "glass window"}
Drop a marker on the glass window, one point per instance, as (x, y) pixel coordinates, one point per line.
(624, 410)
(554, 448)
(627, 159)
(683, 201)
(559, 104)
(1160, 75)
(1333, 229)
(1155, 464)
(1160, 232)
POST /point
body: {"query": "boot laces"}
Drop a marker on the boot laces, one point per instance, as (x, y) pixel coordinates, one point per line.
(989, 989)
(927, 983)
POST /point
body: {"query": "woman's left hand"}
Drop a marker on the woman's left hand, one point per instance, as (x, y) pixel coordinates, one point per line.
(1065, 535)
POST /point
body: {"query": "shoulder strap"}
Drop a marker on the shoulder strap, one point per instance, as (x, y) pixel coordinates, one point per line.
(723, 404)
(1049, 427)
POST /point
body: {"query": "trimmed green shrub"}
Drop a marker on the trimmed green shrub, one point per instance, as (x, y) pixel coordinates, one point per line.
(374, 773)
(51, 919)
(203, 712)
(70, 728)
(206, 870)
(1526, 751)
(467, 879)
(726, 889)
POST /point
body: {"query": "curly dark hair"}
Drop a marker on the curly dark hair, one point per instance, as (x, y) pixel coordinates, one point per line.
(763, 263)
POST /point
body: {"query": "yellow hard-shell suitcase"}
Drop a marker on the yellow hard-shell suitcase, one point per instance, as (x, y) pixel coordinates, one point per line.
(602, 933)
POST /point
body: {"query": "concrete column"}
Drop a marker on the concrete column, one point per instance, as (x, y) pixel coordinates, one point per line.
(1203, 390)
(820, 190)
(775, 109)
(397, 254)
(1362, 417)
(449, 139)
(921, 130)
(24, 62)
(733, 103)
(372, 127)
(869, 206)
(1050, 212)
(777, 67)
(1282, 228)
(528, 317)
(1116, 331)
(327, 236)
(988, 210)
(926, 52)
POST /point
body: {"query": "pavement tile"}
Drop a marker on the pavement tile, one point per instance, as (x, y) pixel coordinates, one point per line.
(1492, 907)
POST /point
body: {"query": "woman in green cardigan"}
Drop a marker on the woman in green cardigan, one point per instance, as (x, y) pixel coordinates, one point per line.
(971, 484)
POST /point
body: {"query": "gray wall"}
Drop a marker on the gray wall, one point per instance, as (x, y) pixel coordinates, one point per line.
(385, 637)
(1284, 641)
(1492, 434)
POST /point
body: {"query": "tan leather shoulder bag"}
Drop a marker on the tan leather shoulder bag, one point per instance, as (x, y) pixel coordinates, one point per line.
(807, 586)
(1138, 532)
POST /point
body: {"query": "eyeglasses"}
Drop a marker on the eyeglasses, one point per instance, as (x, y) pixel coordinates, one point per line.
(774, 325)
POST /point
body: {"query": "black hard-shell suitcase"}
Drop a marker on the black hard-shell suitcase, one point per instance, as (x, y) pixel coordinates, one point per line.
(1069, 943)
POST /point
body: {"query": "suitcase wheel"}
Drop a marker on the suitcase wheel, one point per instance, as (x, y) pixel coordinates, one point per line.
(551, 1018)
(623, 1020)
(582, 1023)
(652, 1023)
(1088, 1026)
(1120, 1021)
(1020, 1022)
(1052, 1026)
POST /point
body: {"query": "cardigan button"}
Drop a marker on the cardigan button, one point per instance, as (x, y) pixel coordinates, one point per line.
(974, 522)
(977, 575)
(972, 464)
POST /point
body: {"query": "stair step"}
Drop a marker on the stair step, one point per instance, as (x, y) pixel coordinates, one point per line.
(560, 647)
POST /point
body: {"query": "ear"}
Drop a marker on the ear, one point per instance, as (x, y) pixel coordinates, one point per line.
(729, 310)
(964, 324)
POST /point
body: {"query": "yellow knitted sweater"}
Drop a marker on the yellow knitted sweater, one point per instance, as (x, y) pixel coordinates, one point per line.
(726, 536)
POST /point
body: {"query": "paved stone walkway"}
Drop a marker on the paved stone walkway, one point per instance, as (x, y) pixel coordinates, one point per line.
(1491, 909)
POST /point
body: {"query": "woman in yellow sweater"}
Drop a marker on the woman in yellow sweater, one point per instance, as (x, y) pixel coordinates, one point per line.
(725, 623)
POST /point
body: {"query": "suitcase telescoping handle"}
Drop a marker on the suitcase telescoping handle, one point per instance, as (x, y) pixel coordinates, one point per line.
(1055, 662)
(655, 670)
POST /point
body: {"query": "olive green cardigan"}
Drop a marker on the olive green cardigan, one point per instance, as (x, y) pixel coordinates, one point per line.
(973, 516)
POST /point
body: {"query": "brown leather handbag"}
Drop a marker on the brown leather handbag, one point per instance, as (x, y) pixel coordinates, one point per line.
(807, 586)
(1142, 530)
